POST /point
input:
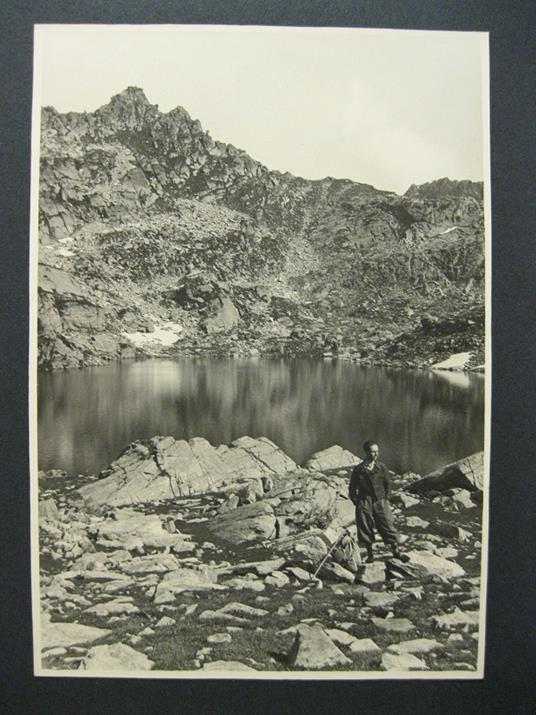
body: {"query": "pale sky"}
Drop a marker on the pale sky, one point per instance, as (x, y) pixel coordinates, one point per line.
(387, 108)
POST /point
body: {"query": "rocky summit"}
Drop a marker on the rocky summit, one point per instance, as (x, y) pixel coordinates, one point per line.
(156, 238)
(184, 556)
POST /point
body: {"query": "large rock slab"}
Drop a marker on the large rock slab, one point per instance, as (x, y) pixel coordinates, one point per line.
(181, 580)
(456, 619)
(261, 568)
(68, 634)
(418, 645)
(157, 563)
(132, 529)
(114, 607)
(253, 522)
(116, 657)
(393, 625)
(335, 457)
(435, 565)
(164, 468)
(313, 649)
(364, 645)
(402, 662)
(255, 458)
(228, 666)
(243, 610)
(467, 473)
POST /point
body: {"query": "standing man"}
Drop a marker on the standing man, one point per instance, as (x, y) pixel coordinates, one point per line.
(370, 490)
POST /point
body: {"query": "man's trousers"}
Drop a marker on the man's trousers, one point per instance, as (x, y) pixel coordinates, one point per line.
(375, 514)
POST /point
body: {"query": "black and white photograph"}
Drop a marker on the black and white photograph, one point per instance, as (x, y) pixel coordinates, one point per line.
(259, 352)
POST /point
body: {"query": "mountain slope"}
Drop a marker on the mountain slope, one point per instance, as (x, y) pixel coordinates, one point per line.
(151, 231)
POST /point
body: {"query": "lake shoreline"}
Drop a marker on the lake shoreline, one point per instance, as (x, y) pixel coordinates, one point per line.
(225, 574)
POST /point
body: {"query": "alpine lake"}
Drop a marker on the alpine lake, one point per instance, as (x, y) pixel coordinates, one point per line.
(422, 419)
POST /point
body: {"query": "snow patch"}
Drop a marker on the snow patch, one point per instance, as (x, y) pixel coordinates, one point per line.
(448, 230)
(165, 334)
(454, 362)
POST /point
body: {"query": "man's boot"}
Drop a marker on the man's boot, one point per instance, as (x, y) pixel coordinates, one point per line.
(370, 555)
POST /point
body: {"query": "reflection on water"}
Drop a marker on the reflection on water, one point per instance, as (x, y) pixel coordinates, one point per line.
(421, 419)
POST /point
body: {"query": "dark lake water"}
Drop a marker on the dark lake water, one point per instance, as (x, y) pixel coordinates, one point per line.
(421, 419)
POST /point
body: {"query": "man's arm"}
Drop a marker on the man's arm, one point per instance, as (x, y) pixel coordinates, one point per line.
(386, 483)
(354, 485)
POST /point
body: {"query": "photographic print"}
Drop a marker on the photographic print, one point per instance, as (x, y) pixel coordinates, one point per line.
(259, 371)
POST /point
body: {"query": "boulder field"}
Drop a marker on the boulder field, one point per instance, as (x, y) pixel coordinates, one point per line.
(182, 556)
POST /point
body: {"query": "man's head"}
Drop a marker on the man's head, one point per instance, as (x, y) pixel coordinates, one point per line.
(371, 450)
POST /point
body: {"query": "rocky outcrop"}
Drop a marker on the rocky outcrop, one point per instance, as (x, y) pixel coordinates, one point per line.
(333, 458)
(164, 468)
(467, 473)
(253, 522)
(241, 257)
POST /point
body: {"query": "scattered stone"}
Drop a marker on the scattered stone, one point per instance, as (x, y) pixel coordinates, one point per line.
(380, 599)
(241, 609)
(114, 607)
(220, 638)
(340, 637)
(229, 666)
(314, 650)
(447, 552)
(415, 522)
(393, 625)
(261, 568)
(456, 618)
(298, 573)
(278, 579)
(404, 662)
(463, 499)
(48, 511)
(148, 631)
(363, 645)
(435, 565)
(244, 584)
(181, 580)
(285, 610)
(419, 645)
(372, 573)
(54, 652)
(455, 638)
(94, 575)
(154, 563)
(165, 622)
(104, 658)
(406, 500)
(463, 666)
(336, 571)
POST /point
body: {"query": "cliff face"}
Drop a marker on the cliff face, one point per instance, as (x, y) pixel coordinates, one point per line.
(149, 228)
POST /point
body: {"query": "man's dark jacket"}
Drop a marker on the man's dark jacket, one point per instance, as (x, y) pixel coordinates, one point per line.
(374, 483)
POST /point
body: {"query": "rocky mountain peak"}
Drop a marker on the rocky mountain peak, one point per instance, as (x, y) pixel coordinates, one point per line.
(129, 109)
(134, 202)
(131, 95)
(445, 187)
